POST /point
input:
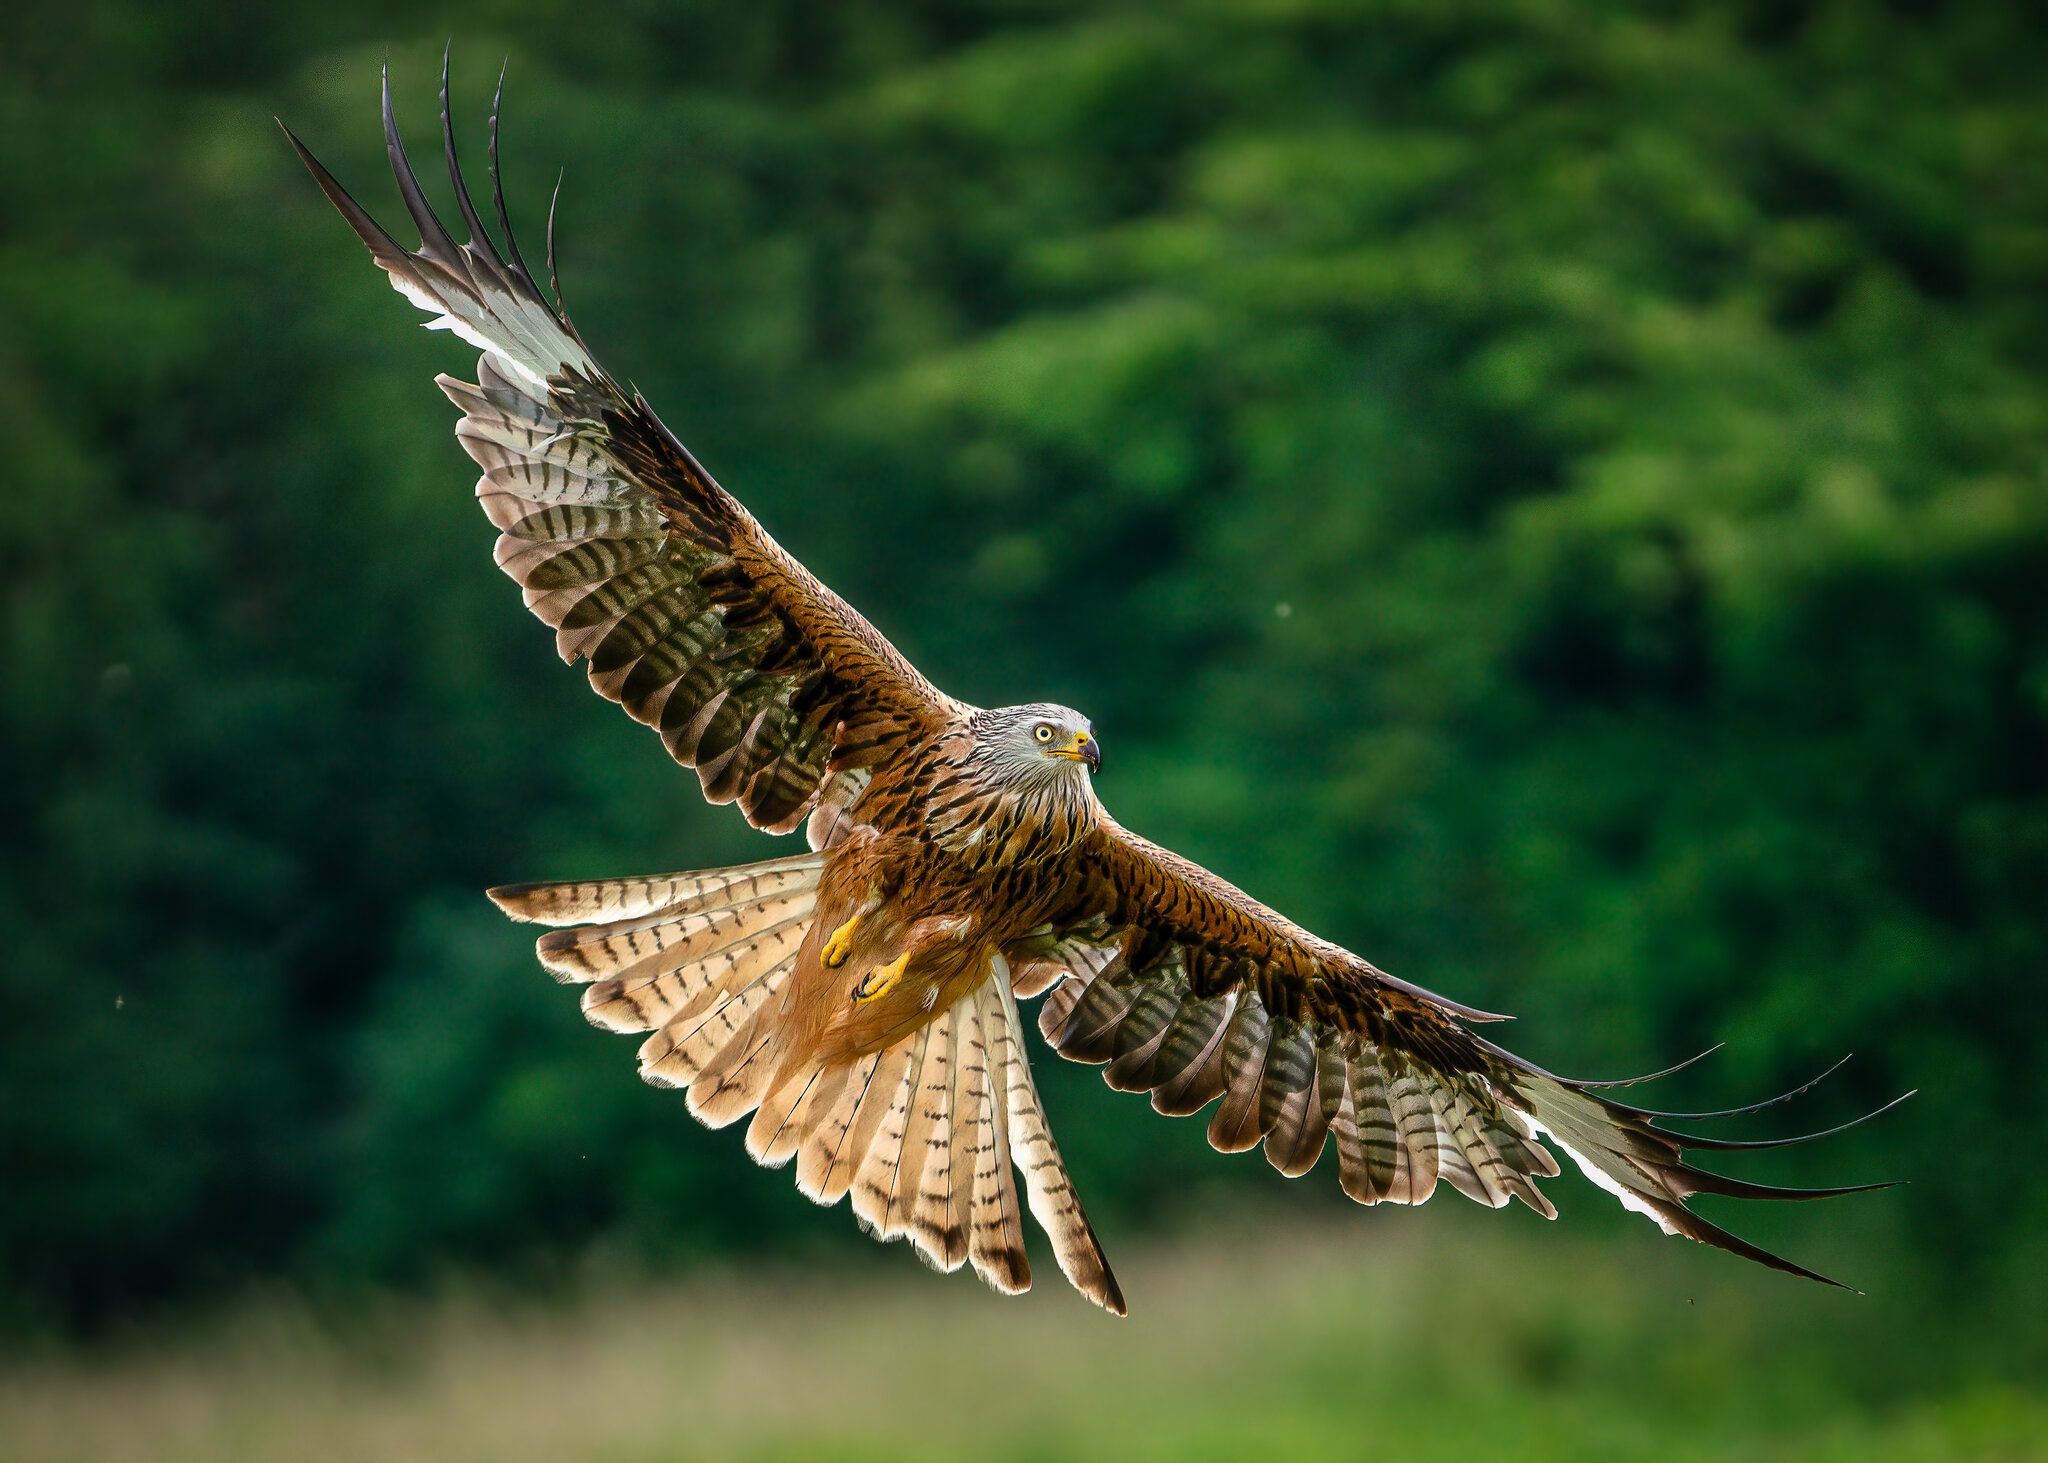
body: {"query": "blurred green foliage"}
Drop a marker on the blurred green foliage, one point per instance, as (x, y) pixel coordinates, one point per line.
(1554, 496)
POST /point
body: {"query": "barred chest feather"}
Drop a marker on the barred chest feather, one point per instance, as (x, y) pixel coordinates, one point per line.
(990, 823)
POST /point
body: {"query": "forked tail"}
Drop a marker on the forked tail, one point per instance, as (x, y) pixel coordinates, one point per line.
(929, 1136)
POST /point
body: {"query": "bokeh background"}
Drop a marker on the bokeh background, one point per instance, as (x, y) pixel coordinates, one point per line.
(1554, 496)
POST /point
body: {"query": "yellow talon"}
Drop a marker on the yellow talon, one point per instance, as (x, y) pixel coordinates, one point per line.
(881, 979)
(840, 944)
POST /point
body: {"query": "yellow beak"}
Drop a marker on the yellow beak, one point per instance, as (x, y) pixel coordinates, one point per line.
(1083, 748)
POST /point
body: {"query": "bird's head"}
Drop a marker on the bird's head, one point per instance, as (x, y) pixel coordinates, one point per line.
(1039, 743)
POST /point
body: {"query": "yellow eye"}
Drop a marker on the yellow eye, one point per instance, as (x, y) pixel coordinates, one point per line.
(1044, 732)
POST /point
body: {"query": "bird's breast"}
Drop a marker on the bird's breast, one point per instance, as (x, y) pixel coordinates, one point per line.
(1008, 828)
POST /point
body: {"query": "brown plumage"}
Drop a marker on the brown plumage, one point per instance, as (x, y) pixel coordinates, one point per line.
(858, 1002)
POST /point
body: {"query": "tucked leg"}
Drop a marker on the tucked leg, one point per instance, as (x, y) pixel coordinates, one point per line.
(881, 979)
(839, 944)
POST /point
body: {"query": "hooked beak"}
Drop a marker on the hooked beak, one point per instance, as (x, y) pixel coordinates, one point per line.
(1085, 749)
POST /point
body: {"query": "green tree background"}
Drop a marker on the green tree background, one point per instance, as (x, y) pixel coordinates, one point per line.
(1554, 496)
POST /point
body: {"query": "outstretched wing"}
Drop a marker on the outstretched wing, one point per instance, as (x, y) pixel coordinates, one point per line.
(689, 615)
(1191, 990)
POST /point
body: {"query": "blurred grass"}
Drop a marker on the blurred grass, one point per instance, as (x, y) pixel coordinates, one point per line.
(1433, 1335)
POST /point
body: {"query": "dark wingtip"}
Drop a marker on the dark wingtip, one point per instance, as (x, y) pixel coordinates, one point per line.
(479, 236)
(1677, 1219)
(1731, 1145)
(1736, 1112)
(435, 240)
(1669, 1071)
(1700, 1181)
(1649, 1162)
(498, 189)
(1684, 1180)
(554, 275)
(383, 248)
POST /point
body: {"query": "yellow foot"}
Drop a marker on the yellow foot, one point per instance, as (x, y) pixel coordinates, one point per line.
(840, 944)
(881, 979)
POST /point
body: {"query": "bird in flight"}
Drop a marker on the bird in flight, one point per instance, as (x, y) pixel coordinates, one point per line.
(859, 1000)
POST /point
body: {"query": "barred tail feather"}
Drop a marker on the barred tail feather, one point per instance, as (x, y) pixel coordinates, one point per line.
(803, 1101)
(681, 1051)
(945, 1190)
(1050, 1193)
(929, 1137)
(831, 1155)
(996, 1244)
(880, 1173)
(919, 1136)
(734, 1080)
(582, 901)
(927, 1149)
(676, 969)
